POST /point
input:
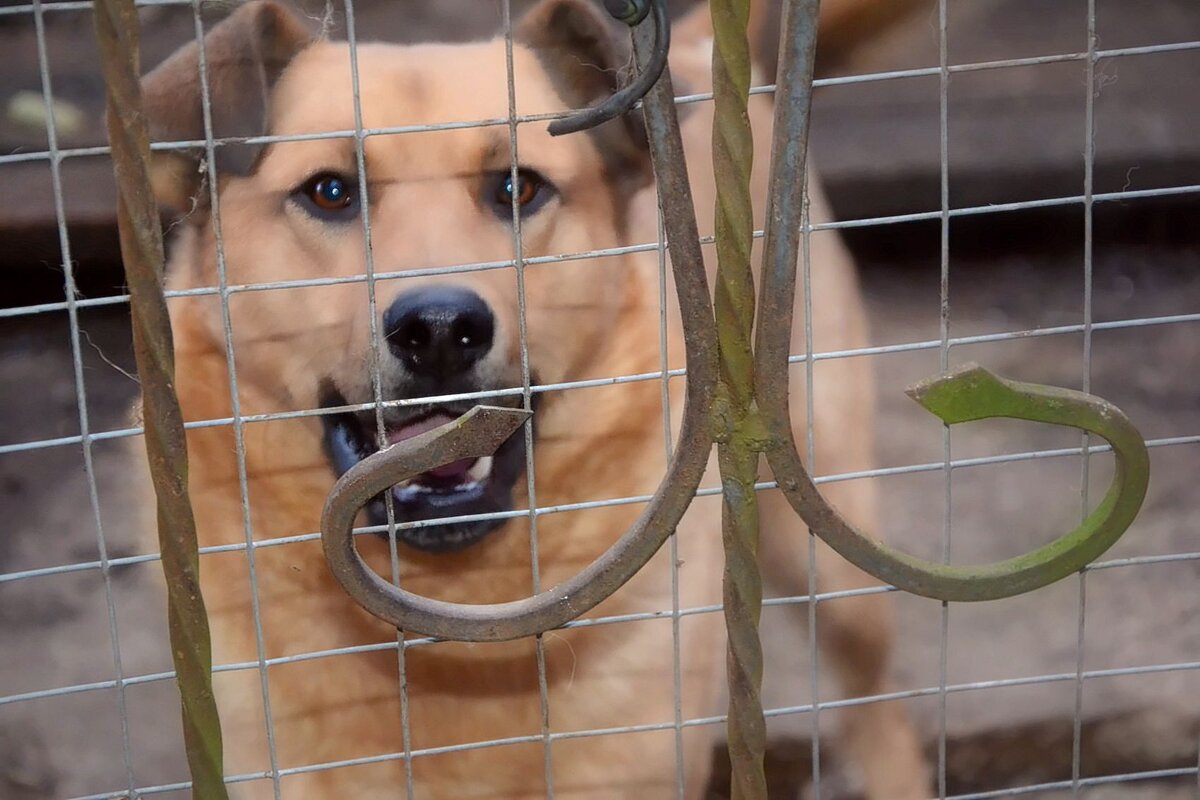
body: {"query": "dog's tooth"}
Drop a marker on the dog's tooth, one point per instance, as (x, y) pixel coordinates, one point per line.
(480, 469)
(404, 492)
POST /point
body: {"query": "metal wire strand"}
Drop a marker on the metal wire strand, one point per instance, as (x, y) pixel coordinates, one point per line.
(375, 364)
(668, 446)
(872, 77)
(944, 364)
(907, 469)
(1089, 167)
(526, 388)
(235, 400)
(81, 403)
(620, 619)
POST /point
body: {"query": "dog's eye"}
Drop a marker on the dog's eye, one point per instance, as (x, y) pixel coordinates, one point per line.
(328, 195)
(528, 185)
(530, 190)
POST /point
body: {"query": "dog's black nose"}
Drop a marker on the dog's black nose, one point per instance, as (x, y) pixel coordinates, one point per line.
(439, 331)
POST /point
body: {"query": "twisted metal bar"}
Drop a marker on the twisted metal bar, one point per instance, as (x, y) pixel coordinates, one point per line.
(738, 445)
(562, 603)
(117, 32)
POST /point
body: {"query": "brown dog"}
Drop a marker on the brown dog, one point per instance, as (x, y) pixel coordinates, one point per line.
(290, 212)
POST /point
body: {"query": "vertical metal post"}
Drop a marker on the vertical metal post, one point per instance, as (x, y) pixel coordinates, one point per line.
(166, 445)
(737, 444)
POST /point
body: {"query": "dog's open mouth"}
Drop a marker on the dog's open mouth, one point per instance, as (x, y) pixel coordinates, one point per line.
(468, 487)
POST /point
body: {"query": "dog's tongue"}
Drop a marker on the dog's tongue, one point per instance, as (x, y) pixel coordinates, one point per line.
(455, 469)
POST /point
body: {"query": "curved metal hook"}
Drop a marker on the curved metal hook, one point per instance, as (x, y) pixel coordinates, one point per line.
(483, 428)
(477, 433)
(631, 12)
(964, 394)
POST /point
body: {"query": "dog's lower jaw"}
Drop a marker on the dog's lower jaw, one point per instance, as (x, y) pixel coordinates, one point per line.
(473, 498)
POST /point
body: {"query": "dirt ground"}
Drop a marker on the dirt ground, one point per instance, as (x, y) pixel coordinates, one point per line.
(1014, 273)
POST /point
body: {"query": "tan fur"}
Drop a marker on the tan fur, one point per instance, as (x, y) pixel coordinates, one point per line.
(586, 319)
(847, 23)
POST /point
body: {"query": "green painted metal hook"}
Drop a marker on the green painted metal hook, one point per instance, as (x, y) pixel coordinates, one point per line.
(969, 393)
(964, 394)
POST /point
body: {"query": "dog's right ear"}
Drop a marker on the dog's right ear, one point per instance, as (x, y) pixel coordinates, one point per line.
(245, 54)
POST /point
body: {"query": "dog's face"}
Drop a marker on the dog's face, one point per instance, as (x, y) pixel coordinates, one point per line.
(434, 199)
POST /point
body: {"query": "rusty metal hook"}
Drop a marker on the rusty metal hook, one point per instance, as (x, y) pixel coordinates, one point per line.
(484, 428)
(632, 13)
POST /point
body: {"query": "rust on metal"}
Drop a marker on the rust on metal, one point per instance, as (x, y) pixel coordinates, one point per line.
(117, 31)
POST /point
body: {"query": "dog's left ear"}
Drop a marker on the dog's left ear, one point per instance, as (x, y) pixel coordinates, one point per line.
(245, 54)
(588, 58)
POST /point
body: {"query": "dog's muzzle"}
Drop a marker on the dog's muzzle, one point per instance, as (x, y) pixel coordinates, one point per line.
(467, 488)
(438, 336)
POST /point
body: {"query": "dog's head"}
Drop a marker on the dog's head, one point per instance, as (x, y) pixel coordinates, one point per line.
(436, 196)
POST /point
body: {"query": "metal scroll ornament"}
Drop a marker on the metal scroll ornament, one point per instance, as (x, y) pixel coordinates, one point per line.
(480, 432)
(962, 395)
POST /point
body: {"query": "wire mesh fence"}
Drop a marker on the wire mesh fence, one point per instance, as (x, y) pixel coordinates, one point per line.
(936, 685)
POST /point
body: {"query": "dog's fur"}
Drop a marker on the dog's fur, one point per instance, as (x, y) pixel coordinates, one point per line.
(585, 319)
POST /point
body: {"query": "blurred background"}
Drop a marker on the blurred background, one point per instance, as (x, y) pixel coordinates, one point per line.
(1016, 134)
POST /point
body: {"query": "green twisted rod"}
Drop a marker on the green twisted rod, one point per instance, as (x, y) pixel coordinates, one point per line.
(117, 31)
(737, 452)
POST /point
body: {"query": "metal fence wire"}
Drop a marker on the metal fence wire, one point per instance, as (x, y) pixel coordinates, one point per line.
(738, 359)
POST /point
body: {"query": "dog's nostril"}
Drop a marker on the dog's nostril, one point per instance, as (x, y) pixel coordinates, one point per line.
(467, 332)
(439, 331)
(415, 334)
